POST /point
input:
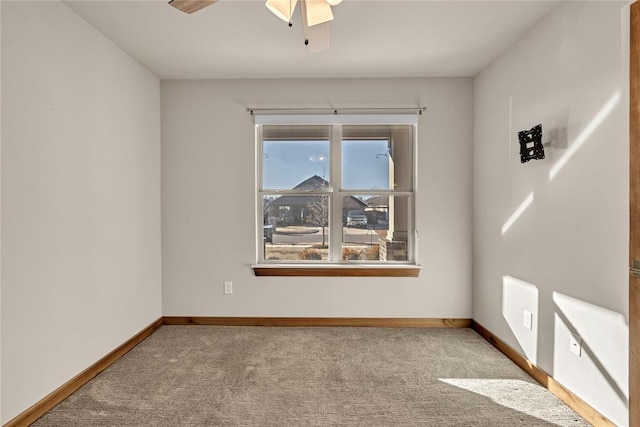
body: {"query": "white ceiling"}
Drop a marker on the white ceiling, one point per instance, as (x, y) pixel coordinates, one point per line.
(369, 38)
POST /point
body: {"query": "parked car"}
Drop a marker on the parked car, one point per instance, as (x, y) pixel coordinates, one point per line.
(356, 219)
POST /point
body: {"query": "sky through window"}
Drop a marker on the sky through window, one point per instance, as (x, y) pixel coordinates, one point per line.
(365, 163)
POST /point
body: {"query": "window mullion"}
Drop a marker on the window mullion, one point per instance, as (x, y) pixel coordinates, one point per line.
(335, 242)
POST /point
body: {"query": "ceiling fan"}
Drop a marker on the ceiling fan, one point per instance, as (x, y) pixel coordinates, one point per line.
(316, 15)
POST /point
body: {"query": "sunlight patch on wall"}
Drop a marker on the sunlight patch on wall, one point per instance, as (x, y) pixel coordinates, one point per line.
(585, 134)
(520, 310)
(599, 374)
(518, 212)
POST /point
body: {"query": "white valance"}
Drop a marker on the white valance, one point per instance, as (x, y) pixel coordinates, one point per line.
(396, 116)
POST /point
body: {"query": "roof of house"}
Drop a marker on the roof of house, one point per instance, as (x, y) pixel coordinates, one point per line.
(314, 183)
(378, 201)
(353, 202)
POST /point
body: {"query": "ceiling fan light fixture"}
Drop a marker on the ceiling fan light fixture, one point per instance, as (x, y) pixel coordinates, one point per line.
(318, 12)
(334, 2)
(283, 9)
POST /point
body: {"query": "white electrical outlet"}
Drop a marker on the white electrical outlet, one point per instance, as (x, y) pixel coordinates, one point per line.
(575, 345)
(527, 320)
(228, 287)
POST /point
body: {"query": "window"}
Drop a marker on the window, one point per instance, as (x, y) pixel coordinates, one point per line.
(336, 193)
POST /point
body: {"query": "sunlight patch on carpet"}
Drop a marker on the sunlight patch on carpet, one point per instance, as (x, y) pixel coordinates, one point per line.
(521, 396)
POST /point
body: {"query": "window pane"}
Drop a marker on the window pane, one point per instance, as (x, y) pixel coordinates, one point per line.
(365, 165)
(374, 228)
(377, 157)
(295, 157)
(296, 228)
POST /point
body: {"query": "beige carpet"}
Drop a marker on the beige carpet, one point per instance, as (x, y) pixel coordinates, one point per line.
(263, 376)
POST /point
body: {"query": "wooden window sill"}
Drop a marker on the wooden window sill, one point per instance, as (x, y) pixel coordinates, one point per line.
(336, 270)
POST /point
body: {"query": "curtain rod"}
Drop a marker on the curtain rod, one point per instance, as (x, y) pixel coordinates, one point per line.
(335, 111)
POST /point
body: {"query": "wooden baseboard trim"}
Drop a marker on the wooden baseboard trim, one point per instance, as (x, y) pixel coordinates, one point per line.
(320, 321)
(585, 410)
(55, 397)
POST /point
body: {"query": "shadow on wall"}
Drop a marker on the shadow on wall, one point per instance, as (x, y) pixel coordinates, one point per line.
(558, 139)
(520, 310)
(591, 355)
(586, 133)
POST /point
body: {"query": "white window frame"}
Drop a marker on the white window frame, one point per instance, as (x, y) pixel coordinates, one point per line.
(334, 190)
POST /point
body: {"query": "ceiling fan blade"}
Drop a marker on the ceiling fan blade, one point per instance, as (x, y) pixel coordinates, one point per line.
(318, 11)
(190, 6)
(316, 37)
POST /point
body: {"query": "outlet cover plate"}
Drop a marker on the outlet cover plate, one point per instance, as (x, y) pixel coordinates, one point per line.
(575, 345)
(527, 320)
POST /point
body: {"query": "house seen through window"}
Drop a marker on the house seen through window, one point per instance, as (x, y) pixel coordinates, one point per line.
(336, 193)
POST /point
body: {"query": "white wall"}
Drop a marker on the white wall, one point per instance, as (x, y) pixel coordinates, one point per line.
(80, 199)
(208, 201)
(569, 244)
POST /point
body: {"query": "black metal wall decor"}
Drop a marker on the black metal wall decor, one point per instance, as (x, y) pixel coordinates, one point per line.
(531, 144)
